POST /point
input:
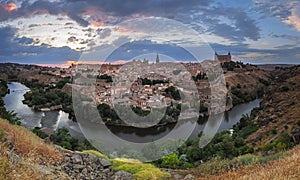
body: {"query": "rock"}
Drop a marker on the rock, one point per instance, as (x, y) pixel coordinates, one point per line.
(9, 143)
(189, 176)
(76, 159)
(177, 176)
(84, 171)
(122, 175)
(14, 158)
(296, 135)
(106, 171)
(104, 163)
(79, 167)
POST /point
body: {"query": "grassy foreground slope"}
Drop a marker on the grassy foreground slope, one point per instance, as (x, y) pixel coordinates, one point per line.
(25, 156)
(284, 168)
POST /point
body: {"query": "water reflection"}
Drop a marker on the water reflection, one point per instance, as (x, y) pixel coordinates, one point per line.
(31, 118)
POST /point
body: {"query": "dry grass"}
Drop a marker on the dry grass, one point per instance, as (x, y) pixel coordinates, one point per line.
(20, 170)
(285, 168)
(28, 145)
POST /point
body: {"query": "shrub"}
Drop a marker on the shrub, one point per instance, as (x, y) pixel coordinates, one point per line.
(274, 131)
(139, 170)
(2, 133)
(268, 147)
(246, 131)
(266, 159)
(281, 146)
(285, 138)
(284, 88)
(187, 165)
(63, 138)
(170, 161)
(37, 131)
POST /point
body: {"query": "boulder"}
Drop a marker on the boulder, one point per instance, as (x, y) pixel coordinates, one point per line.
(122, 175)
(105, 163)
(76, 159)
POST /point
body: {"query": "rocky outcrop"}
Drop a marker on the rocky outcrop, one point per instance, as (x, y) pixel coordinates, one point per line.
(78, 165)
(86, 166)
(73, 165)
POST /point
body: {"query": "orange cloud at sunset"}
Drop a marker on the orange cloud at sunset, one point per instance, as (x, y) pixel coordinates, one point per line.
(294, 20)
(10, 7)
(97, 23)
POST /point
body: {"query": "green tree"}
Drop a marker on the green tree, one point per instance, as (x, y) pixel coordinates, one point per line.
(39, 133)
(170, 161)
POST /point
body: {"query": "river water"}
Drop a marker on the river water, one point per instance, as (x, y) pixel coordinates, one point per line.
(57, 119)
(31, 118)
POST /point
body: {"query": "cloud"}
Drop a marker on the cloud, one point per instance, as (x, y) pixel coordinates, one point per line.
(223, 23)
(279, 8)
(133, 49)
(192, 12)
(9, 7)
(293, 19)
(72, 39)
(14, 49)
(284, 10)
(154, 7)
(27, 8)
(239, 26)
(103, 33)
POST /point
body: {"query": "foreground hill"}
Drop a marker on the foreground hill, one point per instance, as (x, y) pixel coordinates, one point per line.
(23, 155)
(285, 168)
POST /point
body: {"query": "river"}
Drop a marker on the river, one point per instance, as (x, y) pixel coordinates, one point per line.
(57, 119)
(31, 118)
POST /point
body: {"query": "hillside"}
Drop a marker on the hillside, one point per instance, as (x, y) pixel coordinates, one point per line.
(285, 168)
(246, 85)
(247, 167)
(278, 129)
(23, 155)
(280, 110)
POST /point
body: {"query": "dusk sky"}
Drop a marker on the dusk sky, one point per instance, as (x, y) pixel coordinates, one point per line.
(58, 31)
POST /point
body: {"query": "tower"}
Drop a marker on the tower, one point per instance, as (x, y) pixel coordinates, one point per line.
(157, 59)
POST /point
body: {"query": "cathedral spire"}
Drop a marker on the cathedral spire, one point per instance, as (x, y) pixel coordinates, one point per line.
(157, 59)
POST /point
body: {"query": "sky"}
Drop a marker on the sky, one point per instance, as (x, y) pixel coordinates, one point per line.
(65, 31)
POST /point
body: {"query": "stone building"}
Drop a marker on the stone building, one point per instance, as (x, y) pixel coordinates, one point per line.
(223, 58)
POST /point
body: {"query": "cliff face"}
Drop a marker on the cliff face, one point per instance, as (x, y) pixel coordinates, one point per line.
(280, 110)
